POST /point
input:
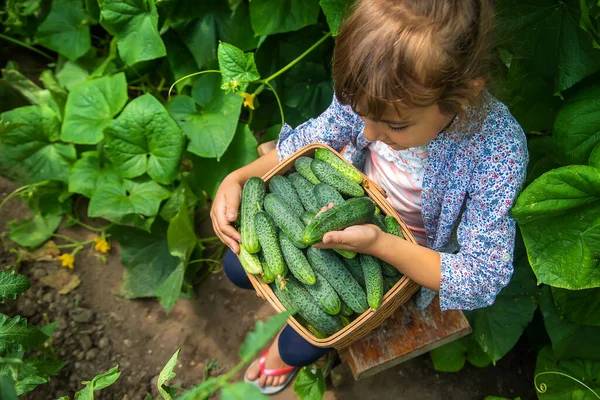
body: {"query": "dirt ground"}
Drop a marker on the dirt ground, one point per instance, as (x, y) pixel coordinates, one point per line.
(97, 329)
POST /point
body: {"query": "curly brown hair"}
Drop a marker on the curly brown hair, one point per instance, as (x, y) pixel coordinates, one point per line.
(413, 52)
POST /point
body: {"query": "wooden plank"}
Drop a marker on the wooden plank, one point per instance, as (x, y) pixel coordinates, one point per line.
(408, 333)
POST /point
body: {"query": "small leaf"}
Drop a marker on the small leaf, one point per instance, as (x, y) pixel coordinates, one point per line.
(17, 332)
(66, 29)
(169, 290)
(201, 391)
(33, 233)
(166, 375)
(181, 235)
(183, 194)
(334, 10)
(237, 68)
(145, 139)
(135, 24)
(98, 383)
(91, 107)
(242, 391)
(451, 357)
(263, 332)
(309, 385)
(12, 284)
(28, 383)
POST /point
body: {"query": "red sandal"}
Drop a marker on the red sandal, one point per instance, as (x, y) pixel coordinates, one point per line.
(271, 372)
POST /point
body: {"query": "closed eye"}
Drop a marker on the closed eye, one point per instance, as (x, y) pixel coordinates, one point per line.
(397, 128)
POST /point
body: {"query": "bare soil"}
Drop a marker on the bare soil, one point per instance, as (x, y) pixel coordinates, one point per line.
(97, 329)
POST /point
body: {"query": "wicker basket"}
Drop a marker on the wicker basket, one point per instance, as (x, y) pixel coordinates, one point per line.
(370, 319)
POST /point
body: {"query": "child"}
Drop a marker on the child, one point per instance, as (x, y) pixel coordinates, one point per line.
(412, 111)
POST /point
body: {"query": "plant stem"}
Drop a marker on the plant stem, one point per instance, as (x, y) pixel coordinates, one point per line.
(278, 103)
(90, 228)
(189, 76)
(295, 61)
(205, 260)
(57, 235)
(17, 191)
(66, 246)
(23, 44)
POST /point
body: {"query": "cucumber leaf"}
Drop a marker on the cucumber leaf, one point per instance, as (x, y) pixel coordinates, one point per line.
(88, 174)
(237, 68)
(145, 139)
(146, 259)
(99, 382)
(309, 385)
(34, 232)
(16, 332)
(569, 339)
(569, 198)
(12, 284)
(577, 125)
(263, 332)
(277, 16)
(242, 391)
(166, 375)
(335, 10)
(29, 152)
(66, 29)
(91, 107)
(180, 234)
(135, 24)
(579, 306)
(169, 290)
(452, 356)
(550, 373)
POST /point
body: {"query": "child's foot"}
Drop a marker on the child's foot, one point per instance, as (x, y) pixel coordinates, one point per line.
(273, 361)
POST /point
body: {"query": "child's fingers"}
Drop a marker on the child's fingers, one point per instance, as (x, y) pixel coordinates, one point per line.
(324, 208)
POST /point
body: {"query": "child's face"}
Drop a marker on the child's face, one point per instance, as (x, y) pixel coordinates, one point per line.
(412, 127)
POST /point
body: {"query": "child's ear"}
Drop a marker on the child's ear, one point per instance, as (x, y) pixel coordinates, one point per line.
(478, 85)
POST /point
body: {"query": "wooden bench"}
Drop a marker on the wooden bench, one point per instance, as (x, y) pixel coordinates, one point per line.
(408, 333)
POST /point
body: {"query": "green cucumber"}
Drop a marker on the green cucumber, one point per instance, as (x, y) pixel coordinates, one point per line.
(267, 275)
(389, 282)
(345, 253)
(318, 334)
(393, 226)
(307, 217)
(302, 165)
(345, 320)
(298, 317)
(377, 210)
(267, 236)
(379, 221)
(351, 212)
(373, 280)
(299, 299)
(250, 262)
(283, 188)
(326, 263)
(349, 171)
(325, 295)
(331, 176)
(296, 261)
(354, 267)
(326, 194)
(253, 194)
(285, 219)
(345, 310)
(305, 191)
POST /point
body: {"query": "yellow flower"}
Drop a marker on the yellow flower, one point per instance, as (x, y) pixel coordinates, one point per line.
(101, 245)
(67, 260)
(249, 100)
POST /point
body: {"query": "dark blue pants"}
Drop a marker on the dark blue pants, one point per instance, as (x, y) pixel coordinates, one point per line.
(294, 350)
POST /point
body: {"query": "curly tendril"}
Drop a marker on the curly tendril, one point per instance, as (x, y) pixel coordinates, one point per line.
(542, 387)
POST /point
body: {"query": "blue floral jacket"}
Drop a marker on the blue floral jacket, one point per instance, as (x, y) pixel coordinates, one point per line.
(474, 172)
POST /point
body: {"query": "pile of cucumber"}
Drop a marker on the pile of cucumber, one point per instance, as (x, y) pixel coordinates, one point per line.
(329, 288)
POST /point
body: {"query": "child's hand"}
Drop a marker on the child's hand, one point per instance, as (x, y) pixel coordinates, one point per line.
(357, 238)
(224, 211)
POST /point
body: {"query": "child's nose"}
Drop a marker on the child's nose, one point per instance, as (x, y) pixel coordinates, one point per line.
(370, 131)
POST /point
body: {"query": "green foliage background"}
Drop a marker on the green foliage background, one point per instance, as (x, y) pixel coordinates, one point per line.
(98, 122)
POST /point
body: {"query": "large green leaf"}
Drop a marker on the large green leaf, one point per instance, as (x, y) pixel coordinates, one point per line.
(145, 139)
(66, 30)
(497, 328)
(452, 356)
(335, 11)
(89, 173)
(238, 69)
(58, 93)
(30, 151)
(15, 332)
(569, 198)
(200, 38)
(135, 24)
(91, 107)
(242, 151)
(309, 385)
(180, 59)
(180, 234)
(542, 157)
(99, 382)
(166, 375)
(210, 128)
(146, 259)
(276, 16)
(169, 290)
(130, 202)
(562, 379)
(579, 306)
(242, 391)
(12, 284)
(577, 125)
(594, 159)
(569, 340)
(263, 332)
(235, 28)
(34, 232)
(548, 33)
